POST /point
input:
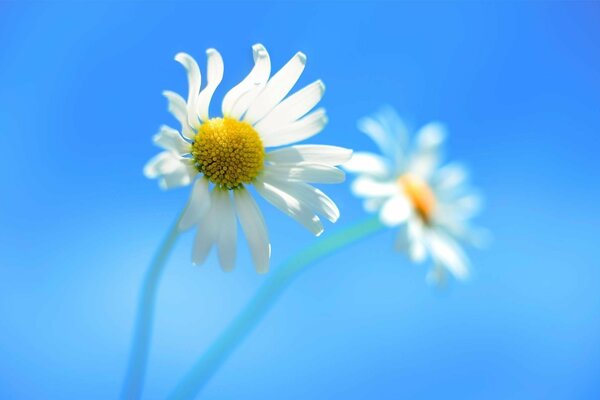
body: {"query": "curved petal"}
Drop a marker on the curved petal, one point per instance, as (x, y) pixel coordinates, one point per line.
(306, 172)
(183, 175)
(178, 108)
(194, 81)
(290, 206)
(162, 163)
(324, 154)
(171, 170)
(197, 206)
(214, 75)
(255, 229)
(238, 99)
(276, 89)
(302, 129)
(294, 107)
(170, 139)
(306, 194)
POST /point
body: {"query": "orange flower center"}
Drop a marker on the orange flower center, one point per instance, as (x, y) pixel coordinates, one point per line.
(419, 194)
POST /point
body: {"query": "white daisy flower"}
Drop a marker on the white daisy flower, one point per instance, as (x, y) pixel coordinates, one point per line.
(408, 187)
(222, 156)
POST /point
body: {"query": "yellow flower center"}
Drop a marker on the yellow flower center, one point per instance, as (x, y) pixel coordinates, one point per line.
(228, 152)
(419, 194)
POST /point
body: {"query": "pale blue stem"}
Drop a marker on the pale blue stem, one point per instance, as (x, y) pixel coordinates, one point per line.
(142, 334)
(279, 279)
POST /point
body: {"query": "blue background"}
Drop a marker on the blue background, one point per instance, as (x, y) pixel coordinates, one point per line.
(517, 85)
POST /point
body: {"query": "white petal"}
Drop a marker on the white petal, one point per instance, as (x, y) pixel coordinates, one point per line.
(368, 163)
(469, 205)
(388, 132)
(431, 135)
(178, 108)
(255, 229)
(290, 206)
(410, 240)
(161, 163)
(294, 107)
(365, 186)
(306, 172)
(170, 139)
(238, 99)
(312, 197)
(330, 155)
(427, 155)
(395, 211)
(450, 177)
(447, 252)
(197, 206)
(437, 275)
(374, 203)
(461, 209)
(183, 175)
(227, 238)
(276, 89)
(194, 81)
(214, 75)
(394, 127)
(375, 131)
(297, 131)
(208, 230)
(172, 170)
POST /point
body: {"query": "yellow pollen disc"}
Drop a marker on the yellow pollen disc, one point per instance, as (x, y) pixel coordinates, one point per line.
(420, 195)
(228, 152)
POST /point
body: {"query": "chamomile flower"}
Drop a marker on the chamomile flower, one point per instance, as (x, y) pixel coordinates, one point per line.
(221, 157)
(431, 204)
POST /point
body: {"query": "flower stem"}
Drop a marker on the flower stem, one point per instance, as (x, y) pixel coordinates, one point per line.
(278, 281)
(140, 345)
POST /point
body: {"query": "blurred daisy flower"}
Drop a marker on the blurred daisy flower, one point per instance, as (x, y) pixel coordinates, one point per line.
(222, 156)
(431, 204)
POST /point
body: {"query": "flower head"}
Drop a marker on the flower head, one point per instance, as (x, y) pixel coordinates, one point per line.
(223, 156)
(407, 185)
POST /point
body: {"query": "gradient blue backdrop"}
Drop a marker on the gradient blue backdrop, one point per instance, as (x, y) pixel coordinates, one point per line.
(80, 97)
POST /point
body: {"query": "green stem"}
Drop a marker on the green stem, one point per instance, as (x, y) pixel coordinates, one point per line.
(142, 334)
(277, 282)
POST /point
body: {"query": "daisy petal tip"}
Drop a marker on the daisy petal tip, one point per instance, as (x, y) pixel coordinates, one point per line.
(258, 47)
(227, 268)
(181, 57)
(183, 226)
(148, 173)
(301, 56)
(321, 85)
(262, 269)
(347, 155)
